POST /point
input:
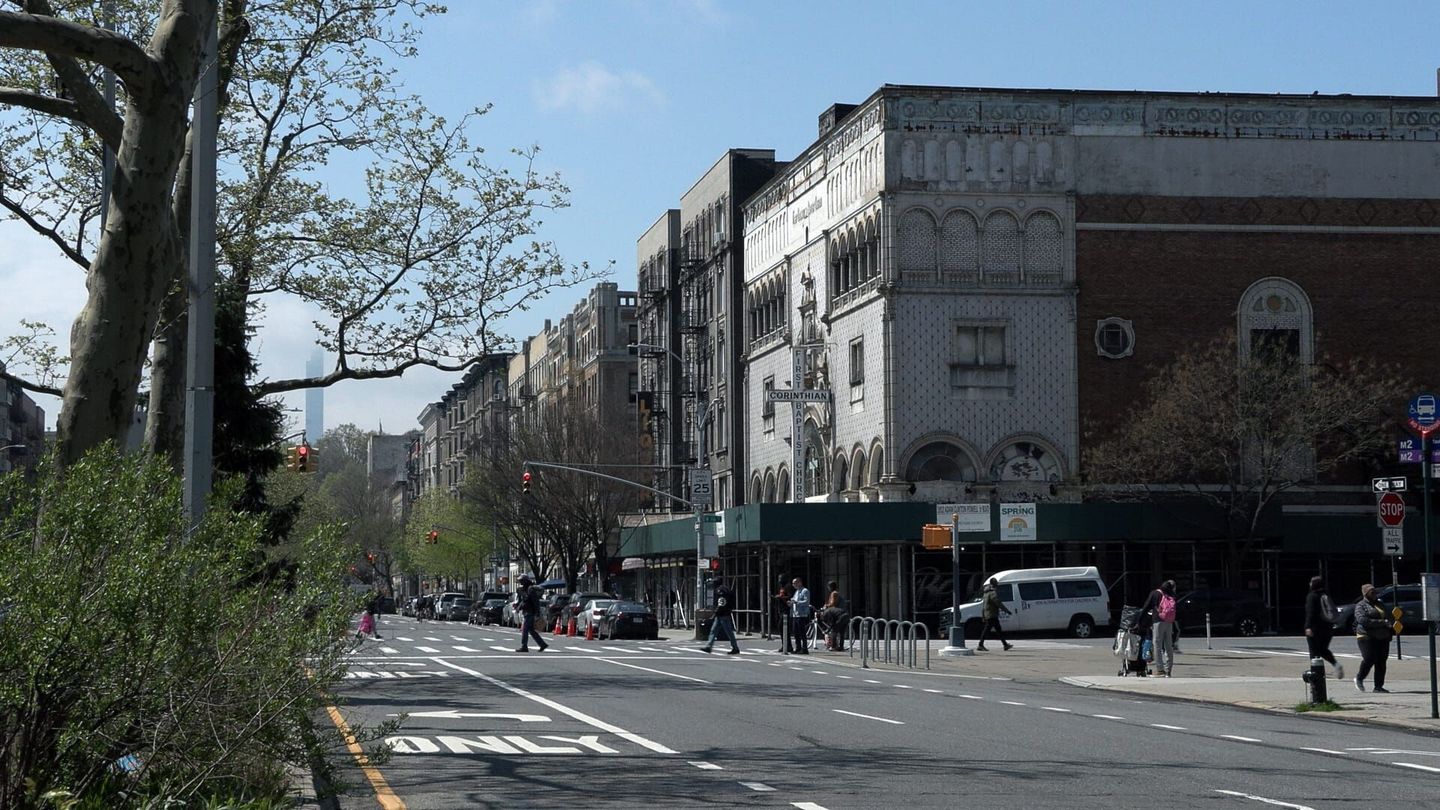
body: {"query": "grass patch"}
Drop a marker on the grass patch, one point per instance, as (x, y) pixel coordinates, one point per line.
(1327, 706)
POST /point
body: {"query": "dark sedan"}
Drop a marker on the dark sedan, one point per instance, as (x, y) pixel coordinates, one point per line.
(1240, 612)
(491, 611)
(458, 610)
(628, 620)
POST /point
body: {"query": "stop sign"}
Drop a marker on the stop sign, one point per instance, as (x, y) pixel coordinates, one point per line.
(1392, 509)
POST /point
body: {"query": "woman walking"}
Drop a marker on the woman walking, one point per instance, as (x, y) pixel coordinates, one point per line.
(1320, 625)
(1372, 634)
(1161, 608)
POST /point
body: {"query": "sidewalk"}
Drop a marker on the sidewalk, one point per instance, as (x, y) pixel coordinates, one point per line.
(1229, 673)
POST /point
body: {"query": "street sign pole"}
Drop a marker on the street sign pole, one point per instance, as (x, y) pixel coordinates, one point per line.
(1425, 443)
(957, 630)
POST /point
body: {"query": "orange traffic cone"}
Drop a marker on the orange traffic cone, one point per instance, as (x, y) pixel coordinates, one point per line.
(570, 631)
(559, 629)
(590, 632)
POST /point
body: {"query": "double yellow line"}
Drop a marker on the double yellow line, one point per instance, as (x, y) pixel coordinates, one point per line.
(387, 798)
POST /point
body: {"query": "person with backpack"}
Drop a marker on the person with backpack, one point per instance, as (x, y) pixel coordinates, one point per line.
(1372, 635)
(528, 601)
(722, 626)
(1320, 616)
(1161, 608)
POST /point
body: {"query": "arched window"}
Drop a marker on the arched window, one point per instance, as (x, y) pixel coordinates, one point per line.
(917, 241)
(1044, 248)
(757, 493)
(769, 496)
(1275, 314)
(857, 470)
(960, 248)
(940, 461)
(1026, 461)
(782, 486)
(840, 479)
(1001, 248)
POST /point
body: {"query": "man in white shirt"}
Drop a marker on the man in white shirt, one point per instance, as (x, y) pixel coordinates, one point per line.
(800, 615)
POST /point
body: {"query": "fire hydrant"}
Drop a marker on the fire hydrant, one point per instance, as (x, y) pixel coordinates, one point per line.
(1315, 677)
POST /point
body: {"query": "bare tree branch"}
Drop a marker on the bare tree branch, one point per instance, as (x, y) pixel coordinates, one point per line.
(30, 386)
(49, 233)
(142, 75)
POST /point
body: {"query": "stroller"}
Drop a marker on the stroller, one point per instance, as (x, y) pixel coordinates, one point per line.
(1131, 642)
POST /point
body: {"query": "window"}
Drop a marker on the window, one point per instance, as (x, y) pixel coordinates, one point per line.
(857, 361)
(980, 365)
(634, 385)
(1081, 589)
(979, 345)
(767, 408)
(1114, 338)
(1036, 591)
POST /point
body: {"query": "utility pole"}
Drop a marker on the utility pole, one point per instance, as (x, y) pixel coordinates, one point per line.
(200, 314)
(701, 490)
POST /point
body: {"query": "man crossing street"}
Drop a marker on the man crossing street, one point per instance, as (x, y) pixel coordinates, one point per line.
(722, 626)
(529, 602)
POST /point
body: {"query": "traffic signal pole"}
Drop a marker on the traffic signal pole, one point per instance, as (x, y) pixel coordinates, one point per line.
(1425, 445)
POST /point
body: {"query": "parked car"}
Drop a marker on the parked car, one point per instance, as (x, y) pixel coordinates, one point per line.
(1042, 600)
(628, 620)
(1234, 611)
(490, 611)
(1406, 597)
(458, 610)
(510, 614)
(553, 608)
(442, 601)
(590, 613)
(576, 601)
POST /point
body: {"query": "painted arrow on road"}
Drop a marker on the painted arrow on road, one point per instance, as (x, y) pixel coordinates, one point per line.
(451, 714)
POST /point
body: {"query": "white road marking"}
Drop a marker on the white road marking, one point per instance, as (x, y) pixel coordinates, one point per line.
(935, 691)
(431, 638)
(869, 717)
(1012, 703)
(389, 650)
(819, 672)
(1055, 709)
(656, 671)
(774, 663)
(467, 649)
(427, 649)
(618, 649)
(458, 638)
(1107, 717)
(808, 806)
(845, 677)
(760, 786)
(903, 686)
(1241, 739)
(1428, 768)
(1384, 751)
(972, 697)
(867, 680)
(501, 649)
(1168, 728)
(452, 714)
(707, 766)
(649, 649)
(1254, 798)
(403, 638)
(563, 709)
(1323, 751)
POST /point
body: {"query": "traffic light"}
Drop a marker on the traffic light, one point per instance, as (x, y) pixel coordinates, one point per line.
(370, 557)
(525, 483)
(432, 537)
(714, 563)
(290, 459)
(302, 458)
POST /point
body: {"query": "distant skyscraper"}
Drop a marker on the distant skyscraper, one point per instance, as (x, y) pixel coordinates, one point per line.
(315, 400)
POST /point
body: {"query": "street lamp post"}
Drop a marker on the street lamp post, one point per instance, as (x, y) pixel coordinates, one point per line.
(702, 416)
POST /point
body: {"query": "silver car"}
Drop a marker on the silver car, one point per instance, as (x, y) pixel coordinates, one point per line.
(590, 613)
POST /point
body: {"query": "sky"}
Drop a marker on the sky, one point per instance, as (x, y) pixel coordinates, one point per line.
(631, 101)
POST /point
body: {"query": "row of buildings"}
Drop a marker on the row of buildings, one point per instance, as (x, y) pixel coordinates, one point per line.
(951, 289)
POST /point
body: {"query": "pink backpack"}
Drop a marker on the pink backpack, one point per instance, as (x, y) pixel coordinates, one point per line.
(1166, 612)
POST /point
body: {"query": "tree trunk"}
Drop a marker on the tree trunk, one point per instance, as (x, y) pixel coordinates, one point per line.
(138, 252)
(165, 426)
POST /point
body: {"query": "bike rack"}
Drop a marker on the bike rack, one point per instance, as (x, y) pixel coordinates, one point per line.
(875, 636)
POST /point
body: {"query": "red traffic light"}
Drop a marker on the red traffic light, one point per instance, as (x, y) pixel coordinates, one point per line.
(432, 536)
(714, 563)
(525, 482)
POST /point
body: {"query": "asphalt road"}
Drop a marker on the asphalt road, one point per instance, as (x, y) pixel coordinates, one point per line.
(658, 724)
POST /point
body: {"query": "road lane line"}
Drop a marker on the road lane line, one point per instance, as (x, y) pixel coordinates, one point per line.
(431, 638)
(845, 677)
(1323, 751)
(656, 671)
(867, 680)
(869, 717)
(706, 766)
(972, 697)
(1168, 728)
(1012, 703)
(458, 638)
(1055, 709)
(760, 786)
(903, 686)
(427, 649)
(389, 650)
(1241, 739)
(1107, 717)
(935, 691)
(403, 638)
(467, 649)
(1254, 798)
(1428, 768)
(383, 794)
(563, 709)
(808, 806)
(819, 672)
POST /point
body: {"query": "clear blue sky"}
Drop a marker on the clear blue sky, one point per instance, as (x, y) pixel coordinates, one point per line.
(631, 101)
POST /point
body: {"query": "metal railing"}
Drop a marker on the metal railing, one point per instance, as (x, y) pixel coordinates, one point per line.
(891, 640)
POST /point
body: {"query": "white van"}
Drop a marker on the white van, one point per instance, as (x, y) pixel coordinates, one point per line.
(1072, 600)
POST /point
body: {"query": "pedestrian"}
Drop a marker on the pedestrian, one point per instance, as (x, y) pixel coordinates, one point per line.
(367, 627)
(722, 625)
(1320, 625)
(782, 615)
(834, 614)
(1161, 607)
(990, 611)
(799, 615)
(1372, 635)
(528, 603)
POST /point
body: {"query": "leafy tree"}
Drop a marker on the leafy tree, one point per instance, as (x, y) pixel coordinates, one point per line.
(419, 266)
(464, 542)
(1238, 433)
(120, 644)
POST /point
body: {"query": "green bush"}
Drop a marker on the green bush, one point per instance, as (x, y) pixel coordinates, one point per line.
(142, 667)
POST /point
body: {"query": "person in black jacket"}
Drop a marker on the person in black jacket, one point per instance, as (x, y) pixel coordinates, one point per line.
(1372, 635)
(1320, 625)
(722, 625)
(529, 602)
(782, 615)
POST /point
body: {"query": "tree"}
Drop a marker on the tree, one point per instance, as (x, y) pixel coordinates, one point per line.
(463, 544)
(1238, 433)
(419, 266)
(568, 516)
